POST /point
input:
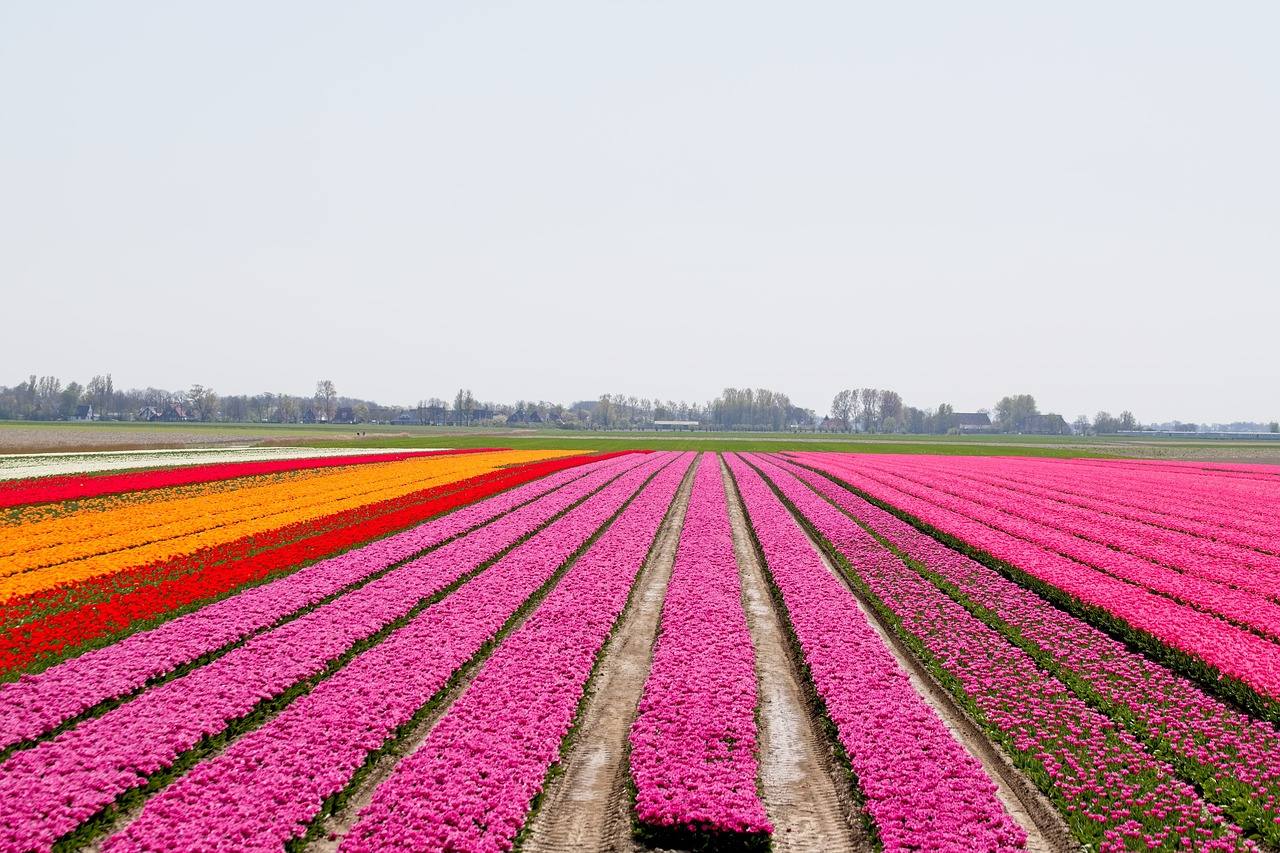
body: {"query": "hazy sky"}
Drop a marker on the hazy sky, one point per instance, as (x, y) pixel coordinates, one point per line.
(553, 200)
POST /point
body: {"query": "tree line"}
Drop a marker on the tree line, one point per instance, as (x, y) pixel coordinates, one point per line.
(860, 410)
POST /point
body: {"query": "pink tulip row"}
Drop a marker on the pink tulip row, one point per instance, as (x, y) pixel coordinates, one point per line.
(1115, 795)
(270, 784)
(922, 789)
(1242, 608)
(1236, 758)
(693, 744)
(35, 704)
(1183, 492)
(48, 790)
(1243, 568)
(470, 784)
(1236, 652)
(1199, 513)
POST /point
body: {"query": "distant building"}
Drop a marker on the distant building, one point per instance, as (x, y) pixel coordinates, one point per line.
(1049, 424)
(675, 425)
(148, 413)
(525, 416)
(405, 418)
(84, 412)
(177, 412)
(344, 415)
(311, 416)
(971, 421)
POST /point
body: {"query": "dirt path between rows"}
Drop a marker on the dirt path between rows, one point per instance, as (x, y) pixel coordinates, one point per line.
(803, 794)
(586, 807)
(1046, 831)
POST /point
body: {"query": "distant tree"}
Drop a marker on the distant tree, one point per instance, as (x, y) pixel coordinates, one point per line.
(842, 408)
(944, 418)
(203, 402)
(1274, 426)
(890, 412)
(869, 408)
(1104, 423)
(1128, 421)
(69, 399)
(327, 398)
(1014, 413)
(99, 392)
(1081, 425)
(914, 420)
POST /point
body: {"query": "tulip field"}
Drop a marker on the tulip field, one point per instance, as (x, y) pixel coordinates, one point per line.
(494, 649)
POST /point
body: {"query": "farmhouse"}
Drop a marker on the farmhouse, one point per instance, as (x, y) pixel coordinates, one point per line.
(177, 412)
(972, 421)
(148, 413)
(83, 413)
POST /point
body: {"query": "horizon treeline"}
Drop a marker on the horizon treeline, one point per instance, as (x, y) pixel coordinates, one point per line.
(861, 410)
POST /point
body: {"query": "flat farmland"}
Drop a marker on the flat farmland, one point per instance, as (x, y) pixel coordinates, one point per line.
(684, 647)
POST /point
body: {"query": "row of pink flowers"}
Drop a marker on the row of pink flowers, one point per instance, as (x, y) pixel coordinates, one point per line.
(922, 789)
(470, 784)
(693, 744)
(1183, 490)
(1244, 568)
(1253, 660)
(1238, 756)
(1116, 795)
(48, 790)
(37, 703)
(1206, 512)
(1242, 608)
(267, 786)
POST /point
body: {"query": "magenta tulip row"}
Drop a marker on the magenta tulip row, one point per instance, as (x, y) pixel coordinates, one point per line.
(1242, 568)
(313, 748)
(470, 784)
(1239, 607)
(48, 790)
(35, 704)
(1251, 659)
(922, 789)
(1206, 512)
(1238, 757)
(1115, 795)
(693, 744)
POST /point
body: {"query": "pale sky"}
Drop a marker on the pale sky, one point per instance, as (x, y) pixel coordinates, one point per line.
(554, 200)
